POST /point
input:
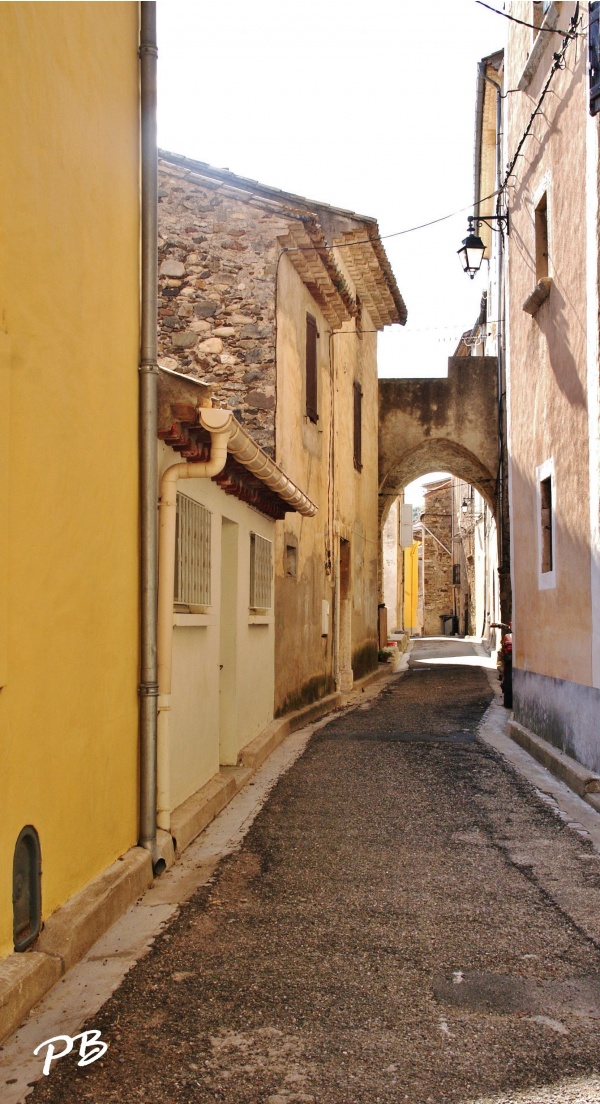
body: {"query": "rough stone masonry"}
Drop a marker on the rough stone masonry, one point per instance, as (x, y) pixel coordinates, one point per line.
(217, 272)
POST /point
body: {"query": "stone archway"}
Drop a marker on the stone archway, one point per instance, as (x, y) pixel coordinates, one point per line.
(445, 425)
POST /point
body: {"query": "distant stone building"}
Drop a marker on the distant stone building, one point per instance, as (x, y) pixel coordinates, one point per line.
(435, 523)
(275, 301)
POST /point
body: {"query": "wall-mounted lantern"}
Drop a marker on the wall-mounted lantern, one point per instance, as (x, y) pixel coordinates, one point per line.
(472, 249)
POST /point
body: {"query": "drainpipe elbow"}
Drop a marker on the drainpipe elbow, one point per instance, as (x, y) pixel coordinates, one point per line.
(158, 863)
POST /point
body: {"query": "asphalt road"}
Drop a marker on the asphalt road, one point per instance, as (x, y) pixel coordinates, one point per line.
(404, 921)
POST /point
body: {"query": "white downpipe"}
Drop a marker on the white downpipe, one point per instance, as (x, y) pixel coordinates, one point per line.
(218, 423)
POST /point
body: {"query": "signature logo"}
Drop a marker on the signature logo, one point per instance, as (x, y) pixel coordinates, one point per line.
(91, 1048)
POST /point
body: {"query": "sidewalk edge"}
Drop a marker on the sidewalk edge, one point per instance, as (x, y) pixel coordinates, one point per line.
(563, 766)
(70, 931)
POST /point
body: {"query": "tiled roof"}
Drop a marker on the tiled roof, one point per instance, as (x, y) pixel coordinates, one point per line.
(355, 236)
(249, 473)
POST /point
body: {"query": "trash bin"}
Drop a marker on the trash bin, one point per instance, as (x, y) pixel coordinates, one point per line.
(447, 620)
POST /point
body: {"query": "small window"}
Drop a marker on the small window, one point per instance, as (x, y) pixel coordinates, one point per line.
(540, 9)
(357, 426)
(546, 511)
(546, 524)
(291, 561)
(192, 554)
(456, 574)
(541, 238)
(261, 572)
(311, 368)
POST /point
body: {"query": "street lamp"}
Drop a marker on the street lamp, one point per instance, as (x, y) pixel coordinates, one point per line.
(472, 249)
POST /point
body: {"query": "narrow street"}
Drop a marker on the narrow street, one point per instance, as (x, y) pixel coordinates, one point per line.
(405, 920)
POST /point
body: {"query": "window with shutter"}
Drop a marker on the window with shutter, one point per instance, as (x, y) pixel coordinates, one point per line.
(192, 554)
(357, 426)
(261, 572)
(311, 368)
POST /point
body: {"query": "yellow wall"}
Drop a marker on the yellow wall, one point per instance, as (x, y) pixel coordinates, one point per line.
(411, 587)
(69, 278)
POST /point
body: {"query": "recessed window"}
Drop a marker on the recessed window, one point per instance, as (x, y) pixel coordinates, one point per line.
(541, 238)
(192, 554)
(261, 572)
(540, 7)
(546, 525)
(358, 395)
(311, 368)
(456, 574)
(291, 561)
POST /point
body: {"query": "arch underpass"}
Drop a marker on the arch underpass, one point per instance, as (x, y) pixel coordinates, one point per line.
(445, 425)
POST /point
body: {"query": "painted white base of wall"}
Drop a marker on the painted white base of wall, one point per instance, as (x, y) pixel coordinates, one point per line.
(562, 712)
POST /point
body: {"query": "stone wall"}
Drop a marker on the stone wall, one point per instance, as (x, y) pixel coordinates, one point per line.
(217, 274)
(437, 562)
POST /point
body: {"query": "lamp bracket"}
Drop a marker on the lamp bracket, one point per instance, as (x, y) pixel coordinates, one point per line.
(475, 221)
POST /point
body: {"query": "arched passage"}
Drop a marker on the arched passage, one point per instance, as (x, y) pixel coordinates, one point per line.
(436, 455)
(446, 424)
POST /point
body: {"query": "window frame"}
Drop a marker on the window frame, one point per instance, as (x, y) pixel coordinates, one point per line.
(545, 477)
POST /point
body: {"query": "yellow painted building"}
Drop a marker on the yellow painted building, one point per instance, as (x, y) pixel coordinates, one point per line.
(411, 587)
(69, 349)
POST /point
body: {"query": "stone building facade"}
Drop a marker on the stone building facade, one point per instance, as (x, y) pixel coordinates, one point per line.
(436, 542)
(275, 301)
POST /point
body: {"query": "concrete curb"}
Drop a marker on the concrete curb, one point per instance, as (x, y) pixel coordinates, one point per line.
(68, 934)
(579, 779)
(70, 931)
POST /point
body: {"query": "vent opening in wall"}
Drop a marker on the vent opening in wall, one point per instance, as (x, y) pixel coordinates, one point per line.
(27, 888)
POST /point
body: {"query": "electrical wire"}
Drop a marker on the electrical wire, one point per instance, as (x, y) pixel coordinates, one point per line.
(549, 30)
(557, 64)
(384, 237)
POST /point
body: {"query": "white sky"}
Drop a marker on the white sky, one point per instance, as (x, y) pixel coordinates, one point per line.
(365, 106)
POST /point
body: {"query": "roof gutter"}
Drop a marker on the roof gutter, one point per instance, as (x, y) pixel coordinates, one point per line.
(247, 452)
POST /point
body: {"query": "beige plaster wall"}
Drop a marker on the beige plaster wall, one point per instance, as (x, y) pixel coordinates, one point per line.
(320, 459)
(304, 657)
(548, 365)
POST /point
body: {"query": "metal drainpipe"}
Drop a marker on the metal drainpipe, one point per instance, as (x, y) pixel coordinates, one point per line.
(506, 612)
(148, 377)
